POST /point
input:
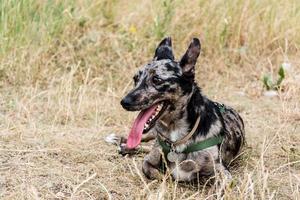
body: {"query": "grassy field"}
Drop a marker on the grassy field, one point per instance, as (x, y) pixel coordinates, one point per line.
(65, 65)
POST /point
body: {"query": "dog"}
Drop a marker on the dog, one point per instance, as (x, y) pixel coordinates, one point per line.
(194, 136)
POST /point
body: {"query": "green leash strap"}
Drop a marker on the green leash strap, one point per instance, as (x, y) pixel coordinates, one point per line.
(221, 107)
(204, 144)
(166, 148)
(195, 146)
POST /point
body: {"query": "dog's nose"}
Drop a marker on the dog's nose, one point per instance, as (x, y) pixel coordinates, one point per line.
(126, 102)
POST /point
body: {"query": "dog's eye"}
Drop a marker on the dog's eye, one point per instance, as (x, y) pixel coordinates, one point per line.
(157, 81)
(136, 79)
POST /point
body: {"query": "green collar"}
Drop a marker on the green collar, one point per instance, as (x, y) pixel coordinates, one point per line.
(193, 147)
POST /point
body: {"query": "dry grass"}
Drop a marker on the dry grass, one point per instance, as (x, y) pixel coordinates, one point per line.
(65, 65)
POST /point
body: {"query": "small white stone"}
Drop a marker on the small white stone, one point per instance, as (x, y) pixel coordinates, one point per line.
(286, 66)
(240, 93)
(271, 93)
(60, 195)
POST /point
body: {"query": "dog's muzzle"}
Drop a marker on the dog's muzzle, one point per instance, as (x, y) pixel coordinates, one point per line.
(127, 102)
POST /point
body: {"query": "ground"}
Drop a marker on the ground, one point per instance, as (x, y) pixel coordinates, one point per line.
(65, 65)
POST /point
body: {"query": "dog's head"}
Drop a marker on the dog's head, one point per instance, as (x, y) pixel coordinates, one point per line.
(162, 82)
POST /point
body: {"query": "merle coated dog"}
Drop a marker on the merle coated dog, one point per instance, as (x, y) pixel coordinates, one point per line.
(194, 135)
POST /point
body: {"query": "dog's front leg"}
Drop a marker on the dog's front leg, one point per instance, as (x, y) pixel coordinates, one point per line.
(223, 172)
(145, 138)
(223, 179)
(152, 163)
(121, 143)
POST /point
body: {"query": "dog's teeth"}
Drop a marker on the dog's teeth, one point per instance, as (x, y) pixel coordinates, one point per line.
(152, 117)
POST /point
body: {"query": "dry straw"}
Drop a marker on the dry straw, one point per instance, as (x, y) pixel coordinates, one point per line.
(64, 66)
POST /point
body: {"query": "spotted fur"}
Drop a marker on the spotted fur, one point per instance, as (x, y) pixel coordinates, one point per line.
(164, 79)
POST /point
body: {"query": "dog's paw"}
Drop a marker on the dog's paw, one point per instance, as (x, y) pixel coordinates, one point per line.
(227, 176)
(123, 150)
(112, 139)
(224, 182)
(151, 172)
(188, 165)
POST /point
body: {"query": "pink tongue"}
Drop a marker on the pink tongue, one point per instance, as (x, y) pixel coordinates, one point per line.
(136, 132)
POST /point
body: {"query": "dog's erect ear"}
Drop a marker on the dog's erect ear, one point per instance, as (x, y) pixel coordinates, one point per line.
(164, 50)
(189, 59)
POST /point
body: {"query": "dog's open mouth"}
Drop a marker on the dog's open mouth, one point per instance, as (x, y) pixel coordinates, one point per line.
(144, 122)
(159, 109)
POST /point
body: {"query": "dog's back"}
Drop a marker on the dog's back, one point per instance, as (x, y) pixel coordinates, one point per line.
(234, 133)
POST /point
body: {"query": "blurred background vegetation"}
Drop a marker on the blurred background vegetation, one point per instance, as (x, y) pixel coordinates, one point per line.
(40, 40)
